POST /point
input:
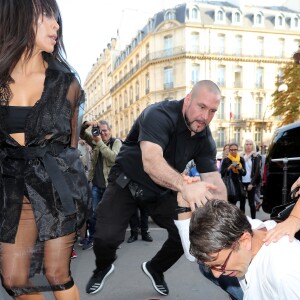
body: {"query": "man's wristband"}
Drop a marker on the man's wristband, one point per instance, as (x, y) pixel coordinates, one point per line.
(181, 209)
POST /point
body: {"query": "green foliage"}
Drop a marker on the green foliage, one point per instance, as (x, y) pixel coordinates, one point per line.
(286, 104)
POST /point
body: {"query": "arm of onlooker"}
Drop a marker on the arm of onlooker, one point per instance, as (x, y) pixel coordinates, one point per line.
(87, 136)
(257, 171)
(164, 175)
(288, 227)
(183, 225)
(109, 154)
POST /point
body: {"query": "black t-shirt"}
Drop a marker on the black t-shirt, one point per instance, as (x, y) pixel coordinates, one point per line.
(163, 123)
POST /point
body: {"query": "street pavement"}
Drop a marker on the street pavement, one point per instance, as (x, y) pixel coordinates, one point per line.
(128, 282)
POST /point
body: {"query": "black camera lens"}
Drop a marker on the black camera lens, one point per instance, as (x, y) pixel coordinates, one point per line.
(96, 131)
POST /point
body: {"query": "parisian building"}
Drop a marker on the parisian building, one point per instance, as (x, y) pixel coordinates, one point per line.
(241, 48)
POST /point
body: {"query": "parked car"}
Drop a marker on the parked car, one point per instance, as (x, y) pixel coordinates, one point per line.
(285, 144)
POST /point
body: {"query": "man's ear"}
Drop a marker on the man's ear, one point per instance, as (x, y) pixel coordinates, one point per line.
(245, 240)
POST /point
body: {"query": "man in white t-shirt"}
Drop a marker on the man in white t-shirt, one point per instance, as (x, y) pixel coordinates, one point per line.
(226, 242)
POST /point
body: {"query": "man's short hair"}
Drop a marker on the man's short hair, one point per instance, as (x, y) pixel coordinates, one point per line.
(216, 226)
(103, 122)
(208, 85)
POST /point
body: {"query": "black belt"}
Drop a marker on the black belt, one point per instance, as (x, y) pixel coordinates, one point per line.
(47, 154)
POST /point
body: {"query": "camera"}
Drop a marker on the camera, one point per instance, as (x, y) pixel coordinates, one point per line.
(96, 131)
(235, 163)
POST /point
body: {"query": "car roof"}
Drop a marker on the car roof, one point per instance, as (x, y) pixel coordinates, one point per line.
(288, 127)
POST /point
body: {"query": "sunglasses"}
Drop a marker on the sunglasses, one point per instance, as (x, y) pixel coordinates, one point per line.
(233, 149)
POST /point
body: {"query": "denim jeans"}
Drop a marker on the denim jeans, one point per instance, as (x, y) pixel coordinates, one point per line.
(229, 284)
(97, 194)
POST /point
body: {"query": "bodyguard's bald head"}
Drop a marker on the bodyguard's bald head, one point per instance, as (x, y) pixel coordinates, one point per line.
(209, 85)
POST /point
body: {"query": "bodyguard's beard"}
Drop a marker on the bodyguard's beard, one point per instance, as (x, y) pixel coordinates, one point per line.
(188, 123)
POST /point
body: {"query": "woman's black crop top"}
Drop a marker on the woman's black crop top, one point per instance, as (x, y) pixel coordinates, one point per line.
(15, 117)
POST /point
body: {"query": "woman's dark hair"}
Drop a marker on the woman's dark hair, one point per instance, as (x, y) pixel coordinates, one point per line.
(18, 23)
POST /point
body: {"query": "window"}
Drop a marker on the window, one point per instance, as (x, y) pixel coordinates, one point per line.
(220, 137)
(195, 42)
(137, 90)
(258, 108)
(168, 45)
(260, 46)
(280, 21)
(150, 24)
(238, 45)
(296, 46)
(259, 78)
(195, 73)
(147, 49)
(238, 77)
(147, 83)
(295, 22)
(195, 13)
(257, 135)
(280, 48)
(131, 94)
(169, 15)
(221, 76)
(237, 135)
(221, 109)
(120, 102)
(236, 17)
(125, 99)
(258, 19)
(220, 16)
(168, 77)
(237, 108)
(221, 44)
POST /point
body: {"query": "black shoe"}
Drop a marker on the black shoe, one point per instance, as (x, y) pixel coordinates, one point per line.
(157, 279)
(147, 237)
(132, 238)
(96, 282)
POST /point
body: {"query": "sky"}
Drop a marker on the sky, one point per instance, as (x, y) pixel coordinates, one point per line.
(89, 25)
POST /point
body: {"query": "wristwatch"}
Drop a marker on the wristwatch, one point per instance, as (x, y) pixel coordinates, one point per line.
(181, 209)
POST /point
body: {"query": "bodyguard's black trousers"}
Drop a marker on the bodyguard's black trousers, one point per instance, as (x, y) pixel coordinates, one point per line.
(113, 215)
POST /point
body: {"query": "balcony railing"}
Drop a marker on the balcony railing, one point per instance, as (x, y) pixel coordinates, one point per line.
(168, 54)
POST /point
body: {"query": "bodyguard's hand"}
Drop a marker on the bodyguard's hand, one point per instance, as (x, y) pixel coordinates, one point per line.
(197, 193)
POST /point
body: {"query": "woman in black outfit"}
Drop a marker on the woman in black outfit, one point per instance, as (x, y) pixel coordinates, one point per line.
(44, 192)
(233, 165)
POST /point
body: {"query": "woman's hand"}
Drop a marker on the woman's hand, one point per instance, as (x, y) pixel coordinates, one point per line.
(288, 227)
(250, 187)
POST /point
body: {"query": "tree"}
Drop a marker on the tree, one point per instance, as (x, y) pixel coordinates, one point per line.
(286, 103)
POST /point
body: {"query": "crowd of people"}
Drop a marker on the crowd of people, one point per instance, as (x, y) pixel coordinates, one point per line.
(55, 187)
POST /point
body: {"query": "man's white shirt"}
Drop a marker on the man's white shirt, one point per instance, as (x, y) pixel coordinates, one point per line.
(274, 273)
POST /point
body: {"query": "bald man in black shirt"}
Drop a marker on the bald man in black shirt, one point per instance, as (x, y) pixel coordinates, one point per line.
(147, 172)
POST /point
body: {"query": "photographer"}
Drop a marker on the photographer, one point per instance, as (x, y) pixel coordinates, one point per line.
(104, 151)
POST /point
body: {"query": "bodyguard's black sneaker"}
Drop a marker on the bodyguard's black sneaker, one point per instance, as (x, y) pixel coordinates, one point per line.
(96, 282)
(157, 279)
